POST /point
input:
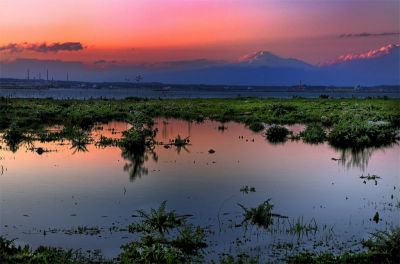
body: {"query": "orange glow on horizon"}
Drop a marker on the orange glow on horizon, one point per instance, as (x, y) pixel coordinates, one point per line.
(182, 29)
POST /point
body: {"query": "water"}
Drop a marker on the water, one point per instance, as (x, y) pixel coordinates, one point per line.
(176, 92)
(64, 188)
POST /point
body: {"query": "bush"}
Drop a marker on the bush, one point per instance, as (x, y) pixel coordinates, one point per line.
(359, 134)
(277, 133)
(314, 133)
(256, 126)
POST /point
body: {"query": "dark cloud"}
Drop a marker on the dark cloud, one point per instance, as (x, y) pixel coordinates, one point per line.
(43, 47)
(366, 34)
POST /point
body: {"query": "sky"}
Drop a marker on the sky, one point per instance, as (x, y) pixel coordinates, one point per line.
(137, 31)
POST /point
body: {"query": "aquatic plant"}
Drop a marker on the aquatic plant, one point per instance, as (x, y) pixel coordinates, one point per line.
(157, 220)
(13, 138)
(136, 144)
(179, 141)
(385, 244)
(314, 133)
(106, 141)
(300, 227)
(376, 218)
(370, 177)
(246, 189)
(136, 140)
(256, 126)
(382, 247)
(79, 138)
(260, 215)
(277, 133)
(167, 238)
(354, 133)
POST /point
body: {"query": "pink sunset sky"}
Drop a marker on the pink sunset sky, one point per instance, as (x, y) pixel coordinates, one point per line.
(132, 31)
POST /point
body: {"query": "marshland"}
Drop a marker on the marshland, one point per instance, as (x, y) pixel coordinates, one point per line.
(244, 180)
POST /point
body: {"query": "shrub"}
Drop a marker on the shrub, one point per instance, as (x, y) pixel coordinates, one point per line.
(256, 126)
(314, 133)
(358, 134)
(277, 133)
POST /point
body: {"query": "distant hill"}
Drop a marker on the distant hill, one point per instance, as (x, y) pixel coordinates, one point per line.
(375, 67)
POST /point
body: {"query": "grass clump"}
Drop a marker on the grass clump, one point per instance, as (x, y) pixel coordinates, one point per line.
(261, 215)
(180, 142)
(358, 134)
(299, 227)
(277, 133)
(256, 126)
(13, 138)
(314, 133)
(166, 238)
(135, 140)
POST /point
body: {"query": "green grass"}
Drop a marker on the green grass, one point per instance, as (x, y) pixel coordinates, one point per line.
(354, 122)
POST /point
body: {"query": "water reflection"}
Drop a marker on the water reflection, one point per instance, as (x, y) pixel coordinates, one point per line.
(355, 158)
(301, 179)
(135, 161)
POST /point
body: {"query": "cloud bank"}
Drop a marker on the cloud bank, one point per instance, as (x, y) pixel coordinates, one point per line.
(367, 34)
(42, 48)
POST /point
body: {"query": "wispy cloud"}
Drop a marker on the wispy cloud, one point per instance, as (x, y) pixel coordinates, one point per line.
(42, 47)
(367, 34)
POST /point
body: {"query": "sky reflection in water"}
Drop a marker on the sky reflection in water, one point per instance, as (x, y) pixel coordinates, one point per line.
(104, 186)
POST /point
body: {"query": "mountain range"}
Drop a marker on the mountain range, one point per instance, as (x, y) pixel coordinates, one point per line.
(374, 67)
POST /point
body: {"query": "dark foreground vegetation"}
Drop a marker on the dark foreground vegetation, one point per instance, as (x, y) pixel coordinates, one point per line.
(167, 237)
(345, 123)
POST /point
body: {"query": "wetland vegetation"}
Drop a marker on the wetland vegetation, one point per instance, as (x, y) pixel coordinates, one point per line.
(352, 123)
(165, 236)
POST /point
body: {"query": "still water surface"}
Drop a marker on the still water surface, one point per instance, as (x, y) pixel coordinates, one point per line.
(62, 189)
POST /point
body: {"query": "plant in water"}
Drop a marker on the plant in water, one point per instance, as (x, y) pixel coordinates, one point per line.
(314, 133)
(13, 138)
(277, 133)
(166, 238)
(180, 142)
(106, 141)
(79, 139)
(246, 189)
(385, 244)
(256, 126)
(261, 215)
(376, 218)
(355, 133)
(370, 177)
(299, 227)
